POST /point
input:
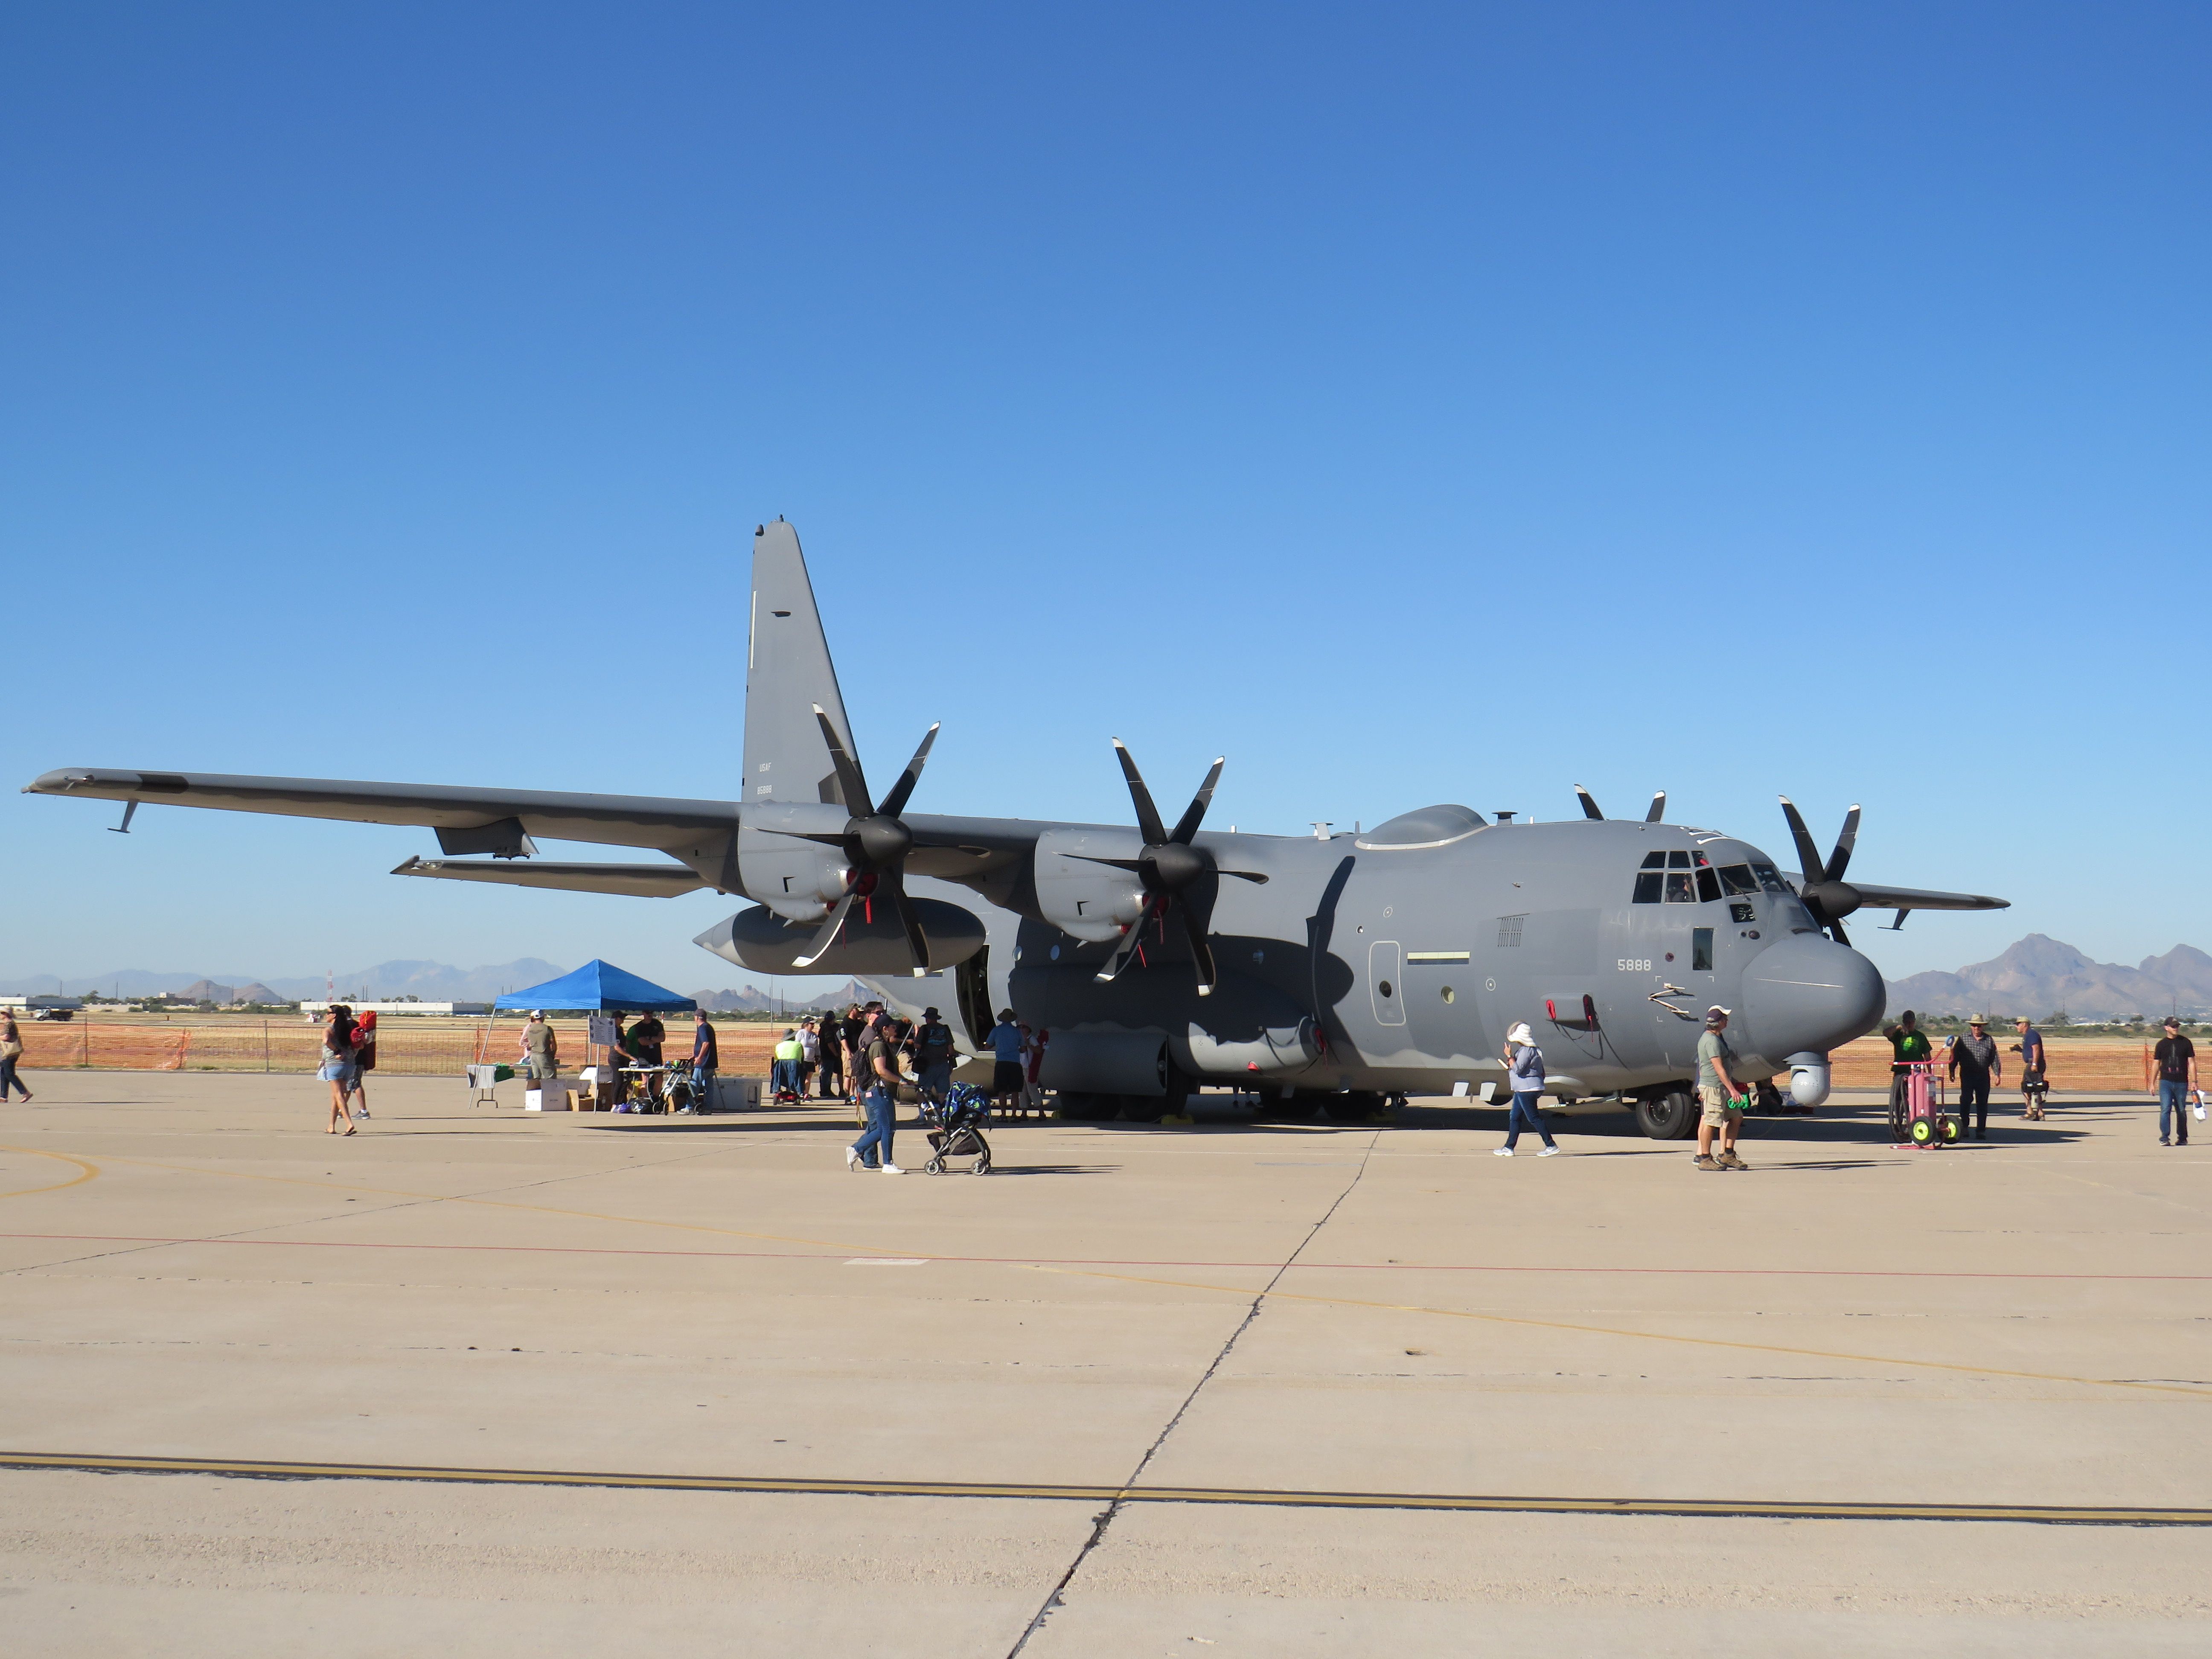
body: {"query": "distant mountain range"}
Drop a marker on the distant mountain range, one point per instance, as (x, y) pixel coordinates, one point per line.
(2038, 976)
(426, 981)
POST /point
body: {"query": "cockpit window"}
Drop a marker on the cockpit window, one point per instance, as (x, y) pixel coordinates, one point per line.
(1771, 879)
(1647, 885)
(1678, 860)
(1709, 886)
(1654, 860)
(1737, 879)
(1679, 890)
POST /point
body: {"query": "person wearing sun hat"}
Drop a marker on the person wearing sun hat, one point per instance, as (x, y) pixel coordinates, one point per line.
(1977, 1064)
(1524, 1063)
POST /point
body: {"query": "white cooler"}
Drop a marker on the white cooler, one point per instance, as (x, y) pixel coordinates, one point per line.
(550, 1096)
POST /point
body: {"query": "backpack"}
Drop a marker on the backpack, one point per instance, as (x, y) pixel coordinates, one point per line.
(933, 1044)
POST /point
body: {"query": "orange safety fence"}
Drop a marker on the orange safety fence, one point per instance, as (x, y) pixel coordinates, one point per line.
(2070, 1066)
(409, 1047)
(418, 1046)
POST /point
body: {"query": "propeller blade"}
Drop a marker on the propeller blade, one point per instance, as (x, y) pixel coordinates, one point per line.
(1657, 814)
(1836, 933)
(1840, 860)
(1252, 876)
(1809, 861)
(1194, 814)
(1200, 951)
(850, 783)
(895, 803)
(827, 936)
(892, 885)
(1589, 804)
(1148, 816)
(1126, 952)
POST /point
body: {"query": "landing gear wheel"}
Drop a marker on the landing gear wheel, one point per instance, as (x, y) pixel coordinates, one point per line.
(1141, 1109)
(1357, 1107)
(1670, 1116)
(1922, 1132)
(1950, 1131)
(1298, 1108)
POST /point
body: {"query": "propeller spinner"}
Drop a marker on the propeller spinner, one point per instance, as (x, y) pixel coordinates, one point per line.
(1168, 865)
(875, 842)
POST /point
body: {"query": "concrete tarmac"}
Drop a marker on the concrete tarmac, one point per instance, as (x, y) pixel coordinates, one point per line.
(1651, 1408)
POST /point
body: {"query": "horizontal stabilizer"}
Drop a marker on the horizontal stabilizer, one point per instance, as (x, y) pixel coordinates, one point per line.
(632, 880)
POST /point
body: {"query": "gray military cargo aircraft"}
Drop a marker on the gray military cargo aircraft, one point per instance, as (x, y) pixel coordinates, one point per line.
(1329, 972)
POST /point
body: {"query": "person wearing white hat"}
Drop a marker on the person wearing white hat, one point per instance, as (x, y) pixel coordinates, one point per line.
(1524, 1063)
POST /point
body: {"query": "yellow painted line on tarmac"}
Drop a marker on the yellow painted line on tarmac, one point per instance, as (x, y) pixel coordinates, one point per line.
(2183, 1389)
(1756, 1508)
(86, 1171)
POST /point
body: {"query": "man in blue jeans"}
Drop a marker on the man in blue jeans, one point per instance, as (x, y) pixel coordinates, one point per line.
(2176, 1058)
(704, 1059)
(879, 1081)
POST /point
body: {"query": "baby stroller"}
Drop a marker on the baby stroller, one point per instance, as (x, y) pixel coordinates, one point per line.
(955, 1128)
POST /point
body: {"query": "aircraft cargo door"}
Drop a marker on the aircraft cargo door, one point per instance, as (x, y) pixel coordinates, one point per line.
(1385, 982)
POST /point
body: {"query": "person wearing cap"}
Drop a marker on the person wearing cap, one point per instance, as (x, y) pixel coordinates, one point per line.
(1908, 1045)
(810, 1055)
(1977, 1064)
(1006, 1076)
(879, 1081)
(933, 1056)
(784, 1079)
(1524, 1075)
(1719, 1098)
(2034, 1081)
(541, 1050)
(2176, 1057)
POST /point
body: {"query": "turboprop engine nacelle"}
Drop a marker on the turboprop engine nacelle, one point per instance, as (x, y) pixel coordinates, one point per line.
(1091, 901)
(800, 880)
(765, 943)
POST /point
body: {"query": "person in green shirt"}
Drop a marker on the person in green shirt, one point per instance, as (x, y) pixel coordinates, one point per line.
(1907, 1043)
(788, 1053)
(1719, 1098)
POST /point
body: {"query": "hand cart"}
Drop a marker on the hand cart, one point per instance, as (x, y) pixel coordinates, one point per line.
(1926, 1124)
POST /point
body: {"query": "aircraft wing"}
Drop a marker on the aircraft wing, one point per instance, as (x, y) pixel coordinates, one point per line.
(495, 820)
(635, 880)
(1915, 898)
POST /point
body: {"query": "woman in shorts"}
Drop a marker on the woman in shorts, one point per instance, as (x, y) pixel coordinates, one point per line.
(11, 1050)
(337, 1068)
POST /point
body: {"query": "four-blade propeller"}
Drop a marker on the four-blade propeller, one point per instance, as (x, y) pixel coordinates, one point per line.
(1825, 893)
(875, 844)
(1167, 866)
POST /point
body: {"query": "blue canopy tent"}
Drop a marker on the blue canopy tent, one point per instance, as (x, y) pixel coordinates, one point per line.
(598, 988)
(601, 987)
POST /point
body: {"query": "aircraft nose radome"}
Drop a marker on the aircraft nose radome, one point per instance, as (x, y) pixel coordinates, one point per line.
(1807, 993)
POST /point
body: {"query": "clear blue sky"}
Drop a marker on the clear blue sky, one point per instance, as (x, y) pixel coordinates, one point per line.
(1414, 403)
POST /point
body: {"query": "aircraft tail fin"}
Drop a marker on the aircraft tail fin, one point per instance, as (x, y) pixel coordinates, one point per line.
(787, 673)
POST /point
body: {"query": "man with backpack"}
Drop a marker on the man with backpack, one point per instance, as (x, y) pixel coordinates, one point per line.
(2177, 1075)
(932, 1056)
